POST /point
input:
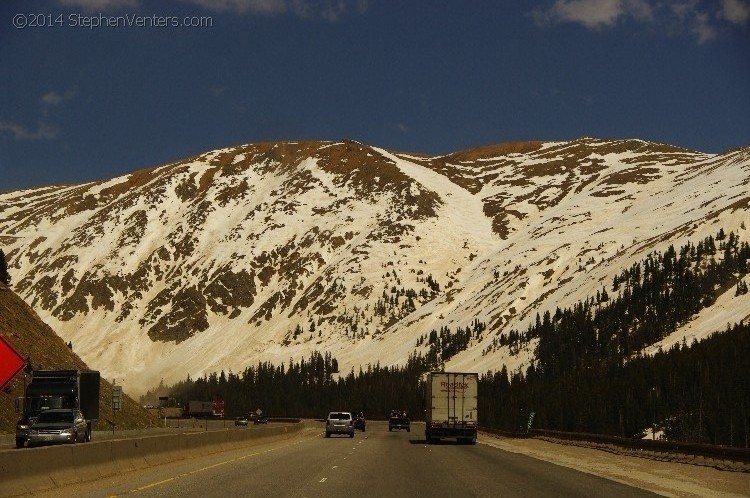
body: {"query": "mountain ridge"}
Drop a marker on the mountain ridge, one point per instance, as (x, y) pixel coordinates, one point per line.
(215, 260)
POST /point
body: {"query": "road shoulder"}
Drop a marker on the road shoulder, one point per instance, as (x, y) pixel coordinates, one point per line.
(664, 478)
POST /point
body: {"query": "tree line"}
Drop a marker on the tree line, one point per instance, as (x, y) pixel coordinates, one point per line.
(693, 393)
(696, 392)
(654, 298)
(588, 374)
(308, 388)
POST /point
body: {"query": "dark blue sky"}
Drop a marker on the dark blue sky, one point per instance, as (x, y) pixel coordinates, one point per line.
(80, 104)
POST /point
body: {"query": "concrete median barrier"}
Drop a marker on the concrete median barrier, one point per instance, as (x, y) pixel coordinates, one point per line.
(189, 446)
(31, 470)
(157, 450)
(126, 455)
(22, 472)
(93, 461)
(63, 472)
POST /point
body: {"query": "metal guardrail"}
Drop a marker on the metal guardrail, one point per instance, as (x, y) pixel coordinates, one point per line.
(498, 432)
(704, 450)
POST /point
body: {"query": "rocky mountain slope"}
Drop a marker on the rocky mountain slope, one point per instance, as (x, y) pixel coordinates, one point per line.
(33, 339)
(270, 251)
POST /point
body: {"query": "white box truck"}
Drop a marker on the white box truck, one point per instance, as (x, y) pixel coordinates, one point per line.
(451, 406)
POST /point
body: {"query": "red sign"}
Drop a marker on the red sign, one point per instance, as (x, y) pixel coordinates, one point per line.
(11, 363)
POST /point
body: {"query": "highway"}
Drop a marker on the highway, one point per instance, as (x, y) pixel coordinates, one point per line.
(374, 463)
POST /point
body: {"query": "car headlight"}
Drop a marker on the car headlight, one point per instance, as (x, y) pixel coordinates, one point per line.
(22, 427)
(66, 432)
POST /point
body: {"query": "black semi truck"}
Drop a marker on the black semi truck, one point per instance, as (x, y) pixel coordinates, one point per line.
(50, 389)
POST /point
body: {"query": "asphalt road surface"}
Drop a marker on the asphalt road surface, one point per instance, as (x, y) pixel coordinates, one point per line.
(375, 463)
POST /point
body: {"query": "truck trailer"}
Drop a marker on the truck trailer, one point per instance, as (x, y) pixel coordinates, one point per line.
(52, 389)
(204, 409)
(451, 406)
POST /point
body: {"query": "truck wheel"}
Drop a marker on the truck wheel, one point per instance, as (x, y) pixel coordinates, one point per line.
(390, 428)
(351, 434)
(20, 442)
(328, 434)
(473, 441)
(408, 429)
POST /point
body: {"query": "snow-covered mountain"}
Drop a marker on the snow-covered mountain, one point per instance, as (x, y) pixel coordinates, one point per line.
(270, 251)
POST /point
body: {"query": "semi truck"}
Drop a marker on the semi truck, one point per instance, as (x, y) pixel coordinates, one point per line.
(204, 409)
(52, 389)
(451, 406)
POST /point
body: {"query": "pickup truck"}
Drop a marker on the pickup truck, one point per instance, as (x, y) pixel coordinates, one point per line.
(399, 420)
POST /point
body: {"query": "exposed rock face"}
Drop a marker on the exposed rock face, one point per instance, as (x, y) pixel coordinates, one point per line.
(214, 261)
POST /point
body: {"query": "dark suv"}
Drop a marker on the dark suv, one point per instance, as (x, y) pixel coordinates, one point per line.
(359, 421)
(399, 420)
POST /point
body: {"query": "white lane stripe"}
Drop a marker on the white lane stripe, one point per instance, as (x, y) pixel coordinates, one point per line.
(323, 480)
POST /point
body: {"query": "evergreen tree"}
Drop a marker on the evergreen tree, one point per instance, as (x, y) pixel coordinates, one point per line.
(4, 275)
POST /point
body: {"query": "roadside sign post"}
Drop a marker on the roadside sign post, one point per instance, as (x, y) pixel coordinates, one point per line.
(116, 403)
(116, 397)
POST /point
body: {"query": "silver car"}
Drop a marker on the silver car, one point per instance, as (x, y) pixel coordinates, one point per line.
(58, 426)
(339, 423)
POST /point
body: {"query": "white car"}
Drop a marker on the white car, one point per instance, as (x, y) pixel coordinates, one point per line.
(340, 423)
